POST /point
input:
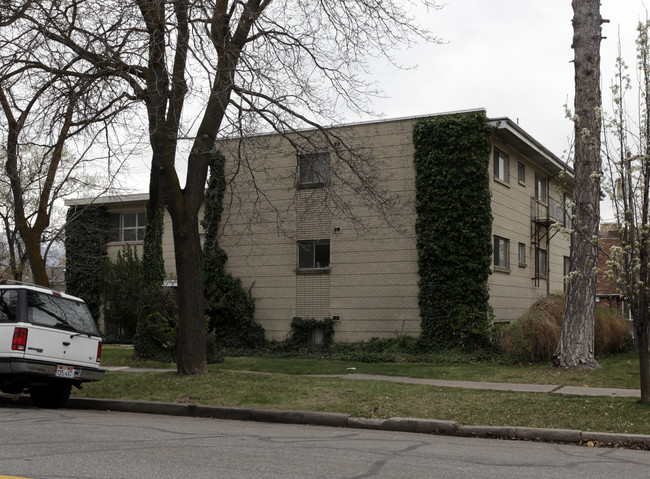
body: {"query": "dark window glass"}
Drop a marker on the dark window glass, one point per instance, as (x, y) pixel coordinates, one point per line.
(313, 254)
(61, 313)
(8, 303)
(314, 169)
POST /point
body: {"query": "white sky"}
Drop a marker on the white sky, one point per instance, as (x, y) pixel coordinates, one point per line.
(511, 57)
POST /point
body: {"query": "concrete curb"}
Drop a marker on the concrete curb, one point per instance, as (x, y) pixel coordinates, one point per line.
(402, 424)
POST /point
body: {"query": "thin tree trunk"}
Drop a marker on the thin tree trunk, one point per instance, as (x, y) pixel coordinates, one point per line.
(576, 346)
(643, 342)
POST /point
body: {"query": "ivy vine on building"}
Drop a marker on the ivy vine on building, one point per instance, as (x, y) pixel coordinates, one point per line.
(453, 228)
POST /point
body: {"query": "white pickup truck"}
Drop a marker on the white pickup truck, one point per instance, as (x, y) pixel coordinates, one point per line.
(49, 342)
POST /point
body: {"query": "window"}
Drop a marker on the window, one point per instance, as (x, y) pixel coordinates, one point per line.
(567, 210)
(127, 226)
(501, 166)
(521, 173)
(522, 254)
(540, 189)
(540, 262)
(567, 270)
(501, 247)
(314, 254)
(314, 169)
(60, 313)
(8, 304)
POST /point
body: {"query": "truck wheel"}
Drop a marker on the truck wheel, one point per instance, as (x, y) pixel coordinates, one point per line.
(50, 397)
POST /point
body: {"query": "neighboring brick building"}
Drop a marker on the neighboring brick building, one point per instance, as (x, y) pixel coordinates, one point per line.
(286, 241)
(607, 295)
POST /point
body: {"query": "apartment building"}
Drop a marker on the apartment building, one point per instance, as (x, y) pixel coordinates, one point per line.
(323, 225)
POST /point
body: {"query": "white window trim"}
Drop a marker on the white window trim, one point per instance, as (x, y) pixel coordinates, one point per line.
(121, 228)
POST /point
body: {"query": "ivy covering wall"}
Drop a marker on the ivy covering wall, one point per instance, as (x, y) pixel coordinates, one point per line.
(228, 306)
(86, 235)
(454, 228)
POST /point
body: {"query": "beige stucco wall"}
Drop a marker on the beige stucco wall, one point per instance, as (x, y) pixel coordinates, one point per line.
(372, 282)
(512, 292)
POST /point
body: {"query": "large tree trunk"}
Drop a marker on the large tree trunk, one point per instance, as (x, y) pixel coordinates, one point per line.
(191, 357)
(576, 346)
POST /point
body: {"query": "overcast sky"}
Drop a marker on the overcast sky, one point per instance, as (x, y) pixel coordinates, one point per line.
(511, 57)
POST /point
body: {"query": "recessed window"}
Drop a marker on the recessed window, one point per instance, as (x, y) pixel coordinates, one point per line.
(501, 166)
(314, 254)
(501, 248)
(540, 188)
(540, 262)
(567, 270)
(314, 169)
(521, 173)
(522, 254)
(567, 211)
(127, 226)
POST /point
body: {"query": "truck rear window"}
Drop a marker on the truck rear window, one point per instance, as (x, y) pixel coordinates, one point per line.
(60, 313)
(8, 302)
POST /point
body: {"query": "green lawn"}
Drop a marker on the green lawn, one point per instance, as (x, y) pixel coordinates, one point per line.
(283, 384)
(619, 371)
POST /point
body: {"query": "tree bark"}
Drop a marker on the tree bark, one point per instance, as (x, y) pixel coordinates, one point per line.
(576, 345)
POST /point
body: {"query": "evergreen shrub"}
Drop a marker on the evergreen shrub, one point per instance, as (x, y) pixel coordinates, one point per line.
(228, 305)
(86, 235)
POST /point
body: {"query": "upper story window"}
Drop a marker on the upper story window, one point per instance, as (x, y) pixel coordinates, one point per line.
(501, 166)
(540, 188)
(314, 169)
(521, 173)
(314, 254)
(127, 226)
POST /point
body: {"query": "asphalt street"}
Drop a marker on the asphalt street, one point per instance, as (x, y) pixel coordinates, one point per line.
(76, 444)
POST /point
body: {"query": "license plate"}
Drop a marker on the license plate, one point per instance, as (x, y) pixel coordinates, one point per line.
(65, 372)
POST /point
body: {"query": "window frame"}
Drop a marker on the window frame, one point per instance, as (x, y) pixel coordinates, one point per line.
(501, 174)
(311, 173)
(521, 173)
(541, 272)
(566, 270)
(314, 253)
(540, 180)
(501, 264)
(117, 232)
(521, 254)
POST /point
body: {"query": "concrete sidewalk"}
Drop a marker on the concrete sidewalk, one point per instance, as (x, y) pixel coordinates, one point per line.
(488, 386)
(522, 388)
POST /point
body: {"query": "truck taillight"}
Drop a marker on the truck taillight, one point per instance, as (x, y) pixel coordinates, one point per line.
(99, 351)
(19, 342)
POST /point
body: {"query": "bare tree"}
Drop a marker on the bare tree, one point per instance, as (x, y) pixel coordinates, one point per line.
(576, 345)
(628, 172)
(205, 67)
(49, 99)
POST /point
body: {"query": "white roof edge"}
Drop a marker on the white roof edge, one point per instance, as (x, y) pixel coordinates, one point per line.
(505, 123)
(126, 198)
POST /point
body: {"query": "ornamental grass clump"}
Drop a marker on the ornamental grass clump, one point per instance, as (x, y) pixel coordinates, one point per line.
(535, 335)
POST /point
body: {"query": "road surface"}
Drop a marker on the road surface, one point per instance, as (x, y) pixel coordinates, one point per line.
(73, 444)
